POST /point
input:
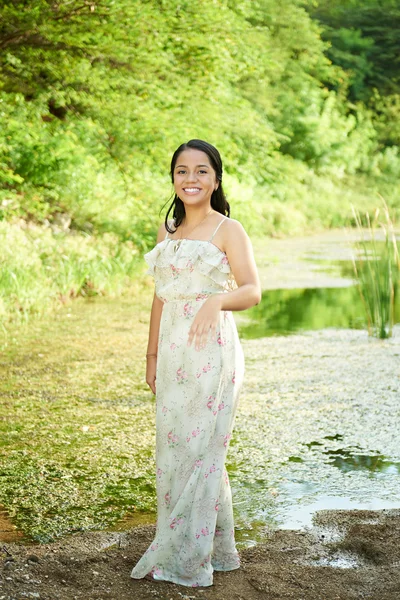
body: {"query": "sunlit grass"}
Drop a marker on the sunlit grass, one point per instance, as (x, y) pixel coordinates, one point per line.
(377, 270)
(40, 269)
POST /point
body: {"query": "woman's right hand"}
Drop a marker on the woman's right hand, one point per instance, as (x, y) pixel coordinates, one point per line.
(151, 373)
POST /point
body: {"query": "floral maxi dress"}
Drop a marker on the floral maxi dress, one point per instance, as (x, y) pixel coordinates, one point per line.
(196, 398)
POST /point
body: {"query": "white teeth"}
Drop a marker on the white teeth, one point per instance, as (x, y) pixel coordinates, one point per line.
(191, 189)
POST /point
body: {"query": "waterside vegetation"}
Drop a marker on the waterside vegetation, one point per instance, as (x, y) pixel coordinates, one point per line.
(377, 270)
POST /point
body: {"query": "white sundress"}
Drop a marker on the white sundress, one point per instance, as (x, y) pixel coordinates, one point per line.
(196, 398)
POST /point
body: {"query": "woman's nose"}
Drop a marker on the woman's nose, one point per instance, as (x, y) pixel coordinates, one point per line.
(191, 176)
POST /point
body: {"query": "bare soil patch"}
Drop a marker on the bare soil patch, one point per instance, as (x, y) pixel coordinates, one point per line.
(344, 556)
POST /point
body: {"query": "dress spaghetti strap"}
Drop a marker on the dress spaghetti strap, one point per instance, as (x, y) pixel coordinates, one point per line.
(170, 222)
(218, 226)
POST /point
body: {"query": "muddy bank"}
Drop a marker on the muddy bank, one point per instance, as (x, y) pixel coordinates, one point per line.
(345, 555)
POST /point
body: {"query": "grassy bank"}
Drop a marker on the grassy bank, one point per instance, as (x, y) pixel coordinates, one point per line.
(42, 270)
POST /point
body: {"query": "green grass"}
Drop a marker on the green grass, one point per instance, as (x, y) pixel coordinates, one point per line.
(41, 269)
(377, 270)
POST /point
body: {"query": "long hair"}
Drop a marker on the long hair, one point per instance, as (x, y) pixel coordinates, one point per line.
(218, 199)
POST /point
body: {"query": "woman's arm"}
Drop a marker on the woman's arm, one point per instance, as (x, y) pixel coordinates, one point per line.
(154, 328)
(238, 248)
(155, 317)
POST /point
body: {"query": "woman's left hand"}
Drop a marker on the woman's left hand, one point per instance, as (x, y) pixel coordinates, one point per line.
(206, 320)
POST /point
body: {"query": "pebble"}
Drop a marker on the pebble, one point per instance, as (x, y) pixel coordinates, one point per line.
(33, 558)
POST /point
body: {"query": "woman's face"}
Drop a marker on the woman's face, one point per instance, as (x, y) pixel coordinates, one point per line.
(194, 178)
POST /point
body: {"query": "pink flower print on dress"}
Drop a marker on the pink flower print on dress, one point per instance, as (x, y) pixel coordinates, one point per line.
(181, 375)
(167, 499)
(213, 469)
(175, 270)
(196, 432)
(164, 410)
(221, 406)
(220, 341)
(189, 265)
(198, 462)
(205, 369)
(206, 561)
(211, 400)
(218, 532)
(172, 438)
(201, 297)
(204, 531)
(159, 472)
(188, 310)
(227, 437)
(173, 346)
(233, 376)
(175, 522)
(225, 260)
(188, 438)
(217, 505)
(153, 547)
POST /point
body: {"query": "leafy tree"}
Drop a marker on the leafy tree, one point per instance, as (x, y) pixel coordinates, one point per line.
(365, 41)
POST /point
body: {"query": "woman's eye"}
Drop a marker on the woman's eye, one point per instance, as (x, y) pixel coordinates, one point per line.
(201, 171)
(181, 172)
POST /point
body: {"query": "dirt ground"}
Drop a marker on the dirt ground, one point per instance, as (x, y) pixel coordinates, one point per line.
(345, 555)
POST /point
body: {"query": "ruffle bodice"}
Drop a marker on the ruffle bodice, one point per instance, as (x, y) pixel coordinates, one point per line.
(193, 268)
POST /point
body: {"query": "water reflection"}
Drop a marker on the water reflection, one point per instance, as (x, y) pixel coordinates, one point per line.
(346, 461)
(292, 503)
(288, 310)
(299, 517)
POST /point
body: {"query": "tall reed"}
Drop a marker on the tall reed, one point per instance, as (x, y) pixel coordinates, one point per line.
(377, 270)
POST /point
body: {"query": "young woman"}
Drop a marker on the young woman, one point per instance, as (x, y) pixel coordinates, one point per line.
(204, 268)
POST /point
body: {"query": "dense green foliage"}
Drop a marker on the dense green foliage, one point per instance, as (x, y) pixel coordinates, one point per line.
(364, 41)
(302, 101)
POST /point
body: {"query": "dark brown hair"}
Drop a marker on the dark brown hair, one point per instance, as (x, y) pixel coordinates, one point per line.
(218, 199)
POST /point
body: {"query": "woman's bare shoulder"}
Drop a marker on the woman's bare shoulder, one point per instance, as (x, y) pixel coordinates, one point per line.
(231, 233)
(162, 231)
(233, 228)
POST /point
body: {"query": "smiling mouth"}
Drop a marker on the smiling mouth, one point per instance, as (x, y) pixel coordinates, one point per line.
(191, 190)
